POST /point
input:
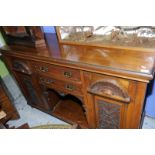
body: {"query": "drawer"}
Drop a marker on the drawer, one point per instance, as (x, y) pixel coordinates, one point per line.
(108, 86)
(67, 87)
(61, 73)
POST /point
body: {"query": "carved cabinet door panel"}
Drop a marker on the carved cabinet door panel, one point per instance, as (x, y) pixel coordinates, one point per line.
(31, 90)
(109, 115)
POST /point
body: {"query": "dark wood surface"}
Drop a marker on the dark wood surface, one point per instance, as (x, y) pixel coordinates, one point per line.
(102, 78)
(134, 64)
(31, 36)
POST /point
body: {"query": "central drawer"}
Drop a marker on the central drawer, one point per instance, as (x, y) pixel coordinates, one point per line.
(61, 73)
(67, 87)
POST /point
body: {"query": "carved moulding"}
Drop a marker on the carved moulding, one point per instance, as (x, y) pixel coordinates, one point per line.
(109, 88)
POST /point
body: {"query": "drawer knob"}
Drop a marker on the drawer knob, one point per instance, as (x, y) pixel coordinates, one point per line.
(68, 74)
(44, 69)
(49, 81)
(45, 80)
(70, 87)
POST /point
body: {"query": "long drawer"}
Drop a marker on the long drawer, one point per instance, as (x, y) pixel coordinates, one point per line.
(67, 87)
(62, 73)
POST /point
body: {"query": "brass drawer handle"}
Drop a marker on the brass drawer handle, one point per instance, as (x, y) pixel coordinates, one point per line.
(68, 74)
(70, 87)
(44, 69)
(48, 81)
(44, 80)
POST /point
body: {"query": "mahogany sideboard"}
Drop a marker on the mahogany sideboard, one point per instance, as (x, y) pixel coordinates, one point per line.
(94, 87)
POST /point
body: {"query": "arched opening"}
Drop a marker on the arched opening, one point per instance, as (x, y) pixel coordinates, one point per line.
(67, 107)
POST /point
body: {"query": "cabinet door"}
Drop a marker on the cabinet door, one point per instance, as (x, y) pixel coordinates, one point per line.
(108, 114)
(31, 90)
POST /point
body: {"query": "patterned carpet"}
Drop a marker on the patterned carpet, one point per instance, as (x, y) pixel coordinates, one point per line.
(55, 126)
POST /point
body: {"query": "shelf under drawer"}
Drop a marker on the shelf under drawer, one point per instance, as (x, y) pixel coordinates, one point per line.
(70, 112)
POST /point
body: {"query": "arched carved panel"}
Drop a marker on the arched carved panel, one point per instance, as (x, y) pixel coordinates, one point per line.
(109, 88)
(21, 66)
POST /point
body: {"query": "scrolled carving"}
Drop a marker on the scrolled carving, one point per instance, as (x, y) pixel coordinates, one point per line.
(109, 88)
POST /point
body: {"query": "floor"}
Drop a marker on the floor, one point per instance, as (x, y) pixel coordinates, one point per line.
(35, 117)
(28, 114)
(32, 116)
(148, 123)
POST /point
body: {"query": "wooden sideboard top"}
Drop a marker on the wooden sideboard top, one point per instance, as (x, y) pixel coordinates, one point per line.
(133, 64)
